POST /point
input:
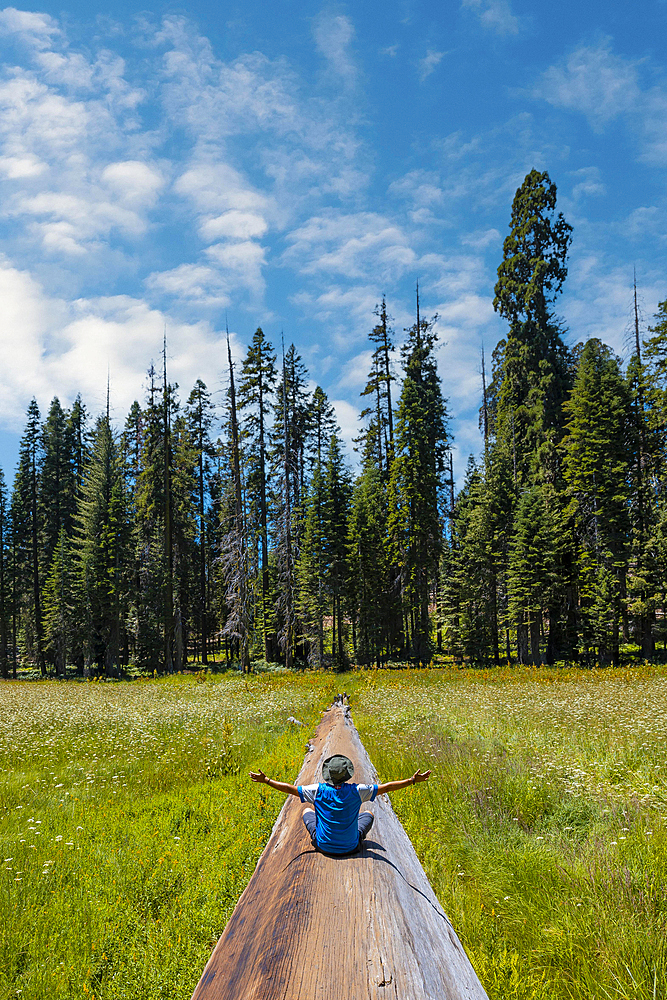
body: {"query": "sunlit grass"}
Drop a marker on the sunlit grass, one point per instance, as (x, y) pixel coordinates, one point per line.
(128, 828)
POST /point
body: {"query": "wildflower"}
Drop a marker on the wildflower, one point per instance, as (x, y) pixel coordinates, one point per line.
(58, 838)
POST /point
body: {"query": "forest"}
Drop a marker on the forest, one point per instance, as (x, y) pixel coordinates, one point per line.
(166, 543)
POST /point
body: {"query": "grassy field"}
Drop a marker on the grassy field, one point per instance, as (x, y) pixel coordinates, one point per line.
(128, 828)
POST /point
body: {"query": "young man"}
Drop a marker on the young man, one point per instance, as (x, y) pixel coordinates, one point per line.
(335, 825)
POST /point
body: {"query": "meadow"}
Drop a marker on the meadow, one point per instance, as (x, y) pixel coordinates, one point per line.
(128, 827)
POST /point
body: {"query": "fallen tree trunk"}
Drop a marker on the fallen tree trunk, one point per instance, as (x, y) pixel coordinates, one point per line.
(310, 927)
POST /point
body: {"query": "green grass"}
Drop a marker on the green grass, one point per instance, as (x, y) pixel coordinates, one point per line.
(130, 829)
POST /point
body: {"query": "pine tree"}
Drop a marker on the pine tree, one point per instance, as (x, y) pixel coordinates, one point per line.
(26, 521)
(57, 485)
(373, 611)
(335, 510)
(234, 544)
(62, 605)
(199, 412)
(150, 630)
(597, 474)
(468, 574)
(289, 438)
(312, 593)
(416, 485)
(256, 388)
(533, 569)
(5, 601)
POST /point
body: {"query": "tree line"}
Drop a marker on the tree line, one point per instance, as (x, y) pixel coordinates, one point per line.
(167, 542)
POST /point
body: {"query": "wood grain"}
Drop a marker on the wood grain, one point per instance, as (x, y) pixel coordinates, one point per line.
(310, 927)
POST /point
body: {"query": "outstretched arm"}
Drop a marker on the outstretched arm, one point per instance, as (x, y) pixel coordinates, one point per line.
(280, 786)
(393, 786)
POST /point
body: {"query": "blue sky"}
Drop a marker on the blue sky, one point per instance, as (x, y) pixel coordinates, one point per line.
(286, 164)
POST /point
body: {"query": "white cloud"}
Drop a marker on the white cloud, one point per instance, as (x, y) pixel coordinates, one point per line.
(133, 182)
(333, 37)
(603, 86)
(347, 416)
(594, 81)
(235, 225)
(35, 29)
(354, 246)
(428, 64)
(494, 14)
(50, 346)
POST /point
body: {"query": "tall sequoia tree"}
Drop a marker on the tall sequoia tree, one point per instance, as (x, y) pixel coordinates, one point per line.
(535, 378)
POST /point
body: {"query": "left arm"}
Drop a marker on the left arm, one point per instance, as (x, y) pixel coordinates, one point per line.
(393, 786)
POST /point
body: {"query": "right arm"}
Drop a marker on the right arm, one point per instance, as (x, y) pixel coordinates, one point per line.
(393, 786)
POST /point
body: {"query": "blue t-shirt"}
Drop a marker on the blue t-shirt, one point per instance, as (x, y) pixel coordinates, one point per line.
(337, 811)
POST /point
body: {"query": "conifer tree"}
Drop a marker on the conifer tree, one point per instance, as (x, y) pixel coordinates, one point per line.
(57, 487)
(256, 388)
(535, 377)
(199, 412)
(596, 474)
(104, 550)
(25, 518)
(234, 544)
(63, 609)
(533, 570)
(335, 510)
(312, 592)
(416, 484)
(373, 611)
(5, 601)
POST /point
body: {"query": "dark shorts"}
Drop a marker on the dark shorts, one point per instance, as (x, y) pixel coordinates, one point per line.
(364, 823)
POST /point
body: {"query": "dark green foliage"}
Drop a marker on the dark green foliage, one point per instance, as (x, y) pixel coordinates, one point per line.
(596, 473)
(416, 486)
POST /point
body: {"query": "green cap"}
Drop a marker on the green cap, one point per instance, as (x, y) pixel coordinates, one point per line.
(337, 769)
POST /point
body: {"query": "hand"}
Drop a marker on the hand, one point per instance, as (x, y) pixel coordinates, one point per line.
(421, 776)
(259, 776)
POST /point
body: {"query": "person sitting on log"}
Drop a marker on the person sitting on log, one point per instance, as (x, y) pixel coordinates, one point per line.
(336, 826)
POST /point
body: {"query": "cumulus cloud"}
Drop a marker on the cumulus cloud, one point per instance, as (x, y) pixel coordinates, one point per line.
(51, 346)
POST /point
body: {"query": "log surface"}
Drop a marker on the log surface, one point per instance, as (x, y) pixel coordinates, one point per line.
(310, 927)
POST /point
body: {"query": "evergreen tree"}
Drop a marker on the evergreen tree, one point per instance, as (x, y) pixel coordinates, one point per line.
(596, 473)
(378, 386)
(535, 377)
(373, 611)
(62, 605)
(5, 600)
(416, 484)
(104, 551)
(256, 388)
(468, 583)
(335, 510)
(199, 411)
(234, 544)
(533, 570)
(57, 487)
(26, 521)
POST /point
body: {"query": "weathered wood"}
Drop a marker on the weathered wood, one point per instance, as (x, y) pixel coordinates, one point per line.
(310, 927)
